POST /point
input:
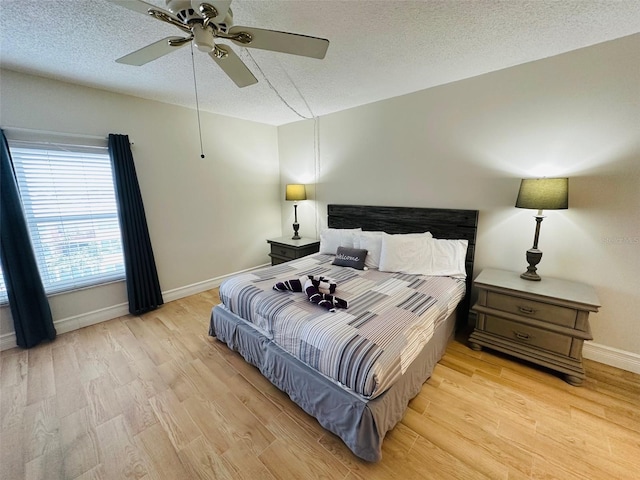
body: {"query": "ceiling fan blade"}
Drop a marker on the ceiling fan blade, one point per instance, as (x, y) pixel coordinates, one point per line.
(135, 5)
(153, 51)
(284, 42)
(233, 66)
(221, 6)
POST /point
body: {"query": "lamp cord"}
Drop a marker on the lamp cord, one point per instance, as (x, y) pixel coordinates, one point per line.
(316, 126)
(195, 87)
(253, 60)
(316, 143)
(299, 92)
(316, 160)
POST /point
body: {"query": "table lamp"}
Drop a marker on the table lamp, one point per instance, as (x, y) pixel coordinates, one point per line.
(541, 194)
(295, 193)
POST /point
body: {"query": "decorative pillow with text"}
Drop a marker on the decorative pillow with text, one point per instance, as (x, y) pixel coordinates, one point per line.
(350, 257)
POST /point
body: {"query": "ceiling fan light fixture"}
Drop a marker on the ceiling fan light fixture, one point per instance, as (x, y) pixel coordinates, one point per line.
(162, 15)
(203, 38)
(178, 42)
(207, 11)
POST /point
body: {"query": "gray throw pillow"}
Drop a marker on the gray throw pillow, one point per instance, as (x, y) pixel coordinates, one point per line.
(350, 257)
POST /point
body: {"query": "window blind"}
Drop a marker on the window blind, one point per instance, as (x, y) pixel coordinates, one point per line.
(71, 211)
(3, 289)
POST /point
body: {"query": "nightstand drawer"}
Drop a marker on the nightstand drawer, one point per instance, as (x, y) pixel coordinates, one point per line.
(528, 335)
(284, 249)
(529, 308)
(284, 252)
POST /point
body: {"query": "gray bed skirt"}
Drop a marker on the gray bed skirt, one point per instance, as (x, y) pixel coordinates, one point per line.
(360, 423)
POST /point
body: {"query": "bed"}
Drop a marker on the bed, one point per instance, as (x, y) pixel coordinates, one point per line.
(290, 340)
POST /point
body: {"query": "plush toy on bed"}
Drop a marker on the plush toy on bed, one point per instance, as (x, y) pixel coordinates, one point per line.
(319, 290)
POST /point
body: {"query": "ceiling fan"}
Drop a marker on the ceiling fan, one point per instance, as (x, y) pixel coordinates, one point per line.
(204, 23)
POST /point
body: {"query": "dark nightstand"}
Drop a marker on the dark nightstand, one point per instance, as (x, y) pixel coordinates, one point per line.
(545, 322)
(284, 249)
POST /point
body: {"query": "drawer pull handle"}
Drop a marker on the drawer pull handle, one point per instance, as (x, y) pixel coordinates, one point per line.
(521, 336)
(527, 310)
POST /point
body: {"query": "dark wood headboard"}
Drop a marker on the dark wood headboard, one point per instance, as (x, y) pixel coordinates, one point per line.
(441, 222)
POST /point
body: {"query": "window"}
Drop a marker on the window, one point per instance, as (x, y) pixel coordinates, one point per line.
(69, 203)
(3, 289)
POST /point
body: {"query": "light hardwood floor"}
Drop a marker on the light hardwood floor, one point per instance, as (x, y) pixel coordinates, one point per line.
(154, 397)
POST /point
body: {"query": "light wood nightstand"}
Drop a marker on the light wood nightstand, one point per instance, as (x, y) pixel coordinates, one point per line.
(545, 322)
(284, 249)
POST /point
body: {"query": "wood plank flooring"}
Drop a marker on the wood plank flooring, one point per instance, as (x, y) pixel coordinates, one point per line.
(153, 397)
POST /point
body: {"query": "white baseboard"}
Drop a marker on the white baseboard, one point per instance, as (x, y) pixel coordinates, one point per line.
(63, 325)
(181, 292)
(612, 356)
(7, 341)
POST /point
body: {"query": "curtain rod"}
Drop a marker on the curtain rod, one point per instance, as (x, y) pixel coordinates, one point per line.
(32, 131)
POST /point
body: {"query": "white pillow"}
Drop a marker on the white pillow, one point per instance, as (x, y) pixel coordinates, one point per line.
(403, 253)
(448, 258)
(332, 238)
(423, 255)
(372, 243)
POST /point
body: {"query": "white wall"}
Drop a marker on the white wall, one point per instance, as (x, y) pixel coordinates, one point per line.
(468, 144)
(462, 145)
(207, 217)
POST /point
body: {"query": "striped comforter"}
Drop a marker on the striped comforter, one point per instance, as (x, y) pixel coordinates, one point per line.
(391, 317)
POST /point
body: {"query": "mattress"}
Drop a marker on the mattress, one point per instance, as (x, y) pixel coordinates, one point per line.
(364, 348)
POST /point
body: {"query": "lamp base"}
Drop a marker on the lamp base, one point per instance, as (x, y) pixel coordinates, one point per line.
(533, 258)
(296, 227)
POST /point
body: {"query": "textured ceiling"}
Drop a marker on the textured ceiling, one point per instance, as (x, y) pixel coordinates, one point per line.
(378, 50)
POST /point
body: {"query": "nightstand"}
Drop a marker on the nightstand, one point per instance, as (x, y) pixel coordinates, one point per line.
(284, 249)
(545, 322)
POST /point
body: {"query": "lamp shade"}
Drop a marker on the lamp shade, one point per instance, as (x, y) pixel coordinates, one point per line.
(296, 192)
(543, 194)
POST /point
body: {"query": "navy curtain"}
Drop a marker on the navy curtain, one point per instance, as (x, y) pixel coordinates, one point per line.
(143, 287)
(30, 310)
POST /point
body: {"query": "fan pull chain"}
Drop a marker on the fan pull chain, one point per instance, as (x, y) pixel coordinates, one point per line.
(195, 87)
